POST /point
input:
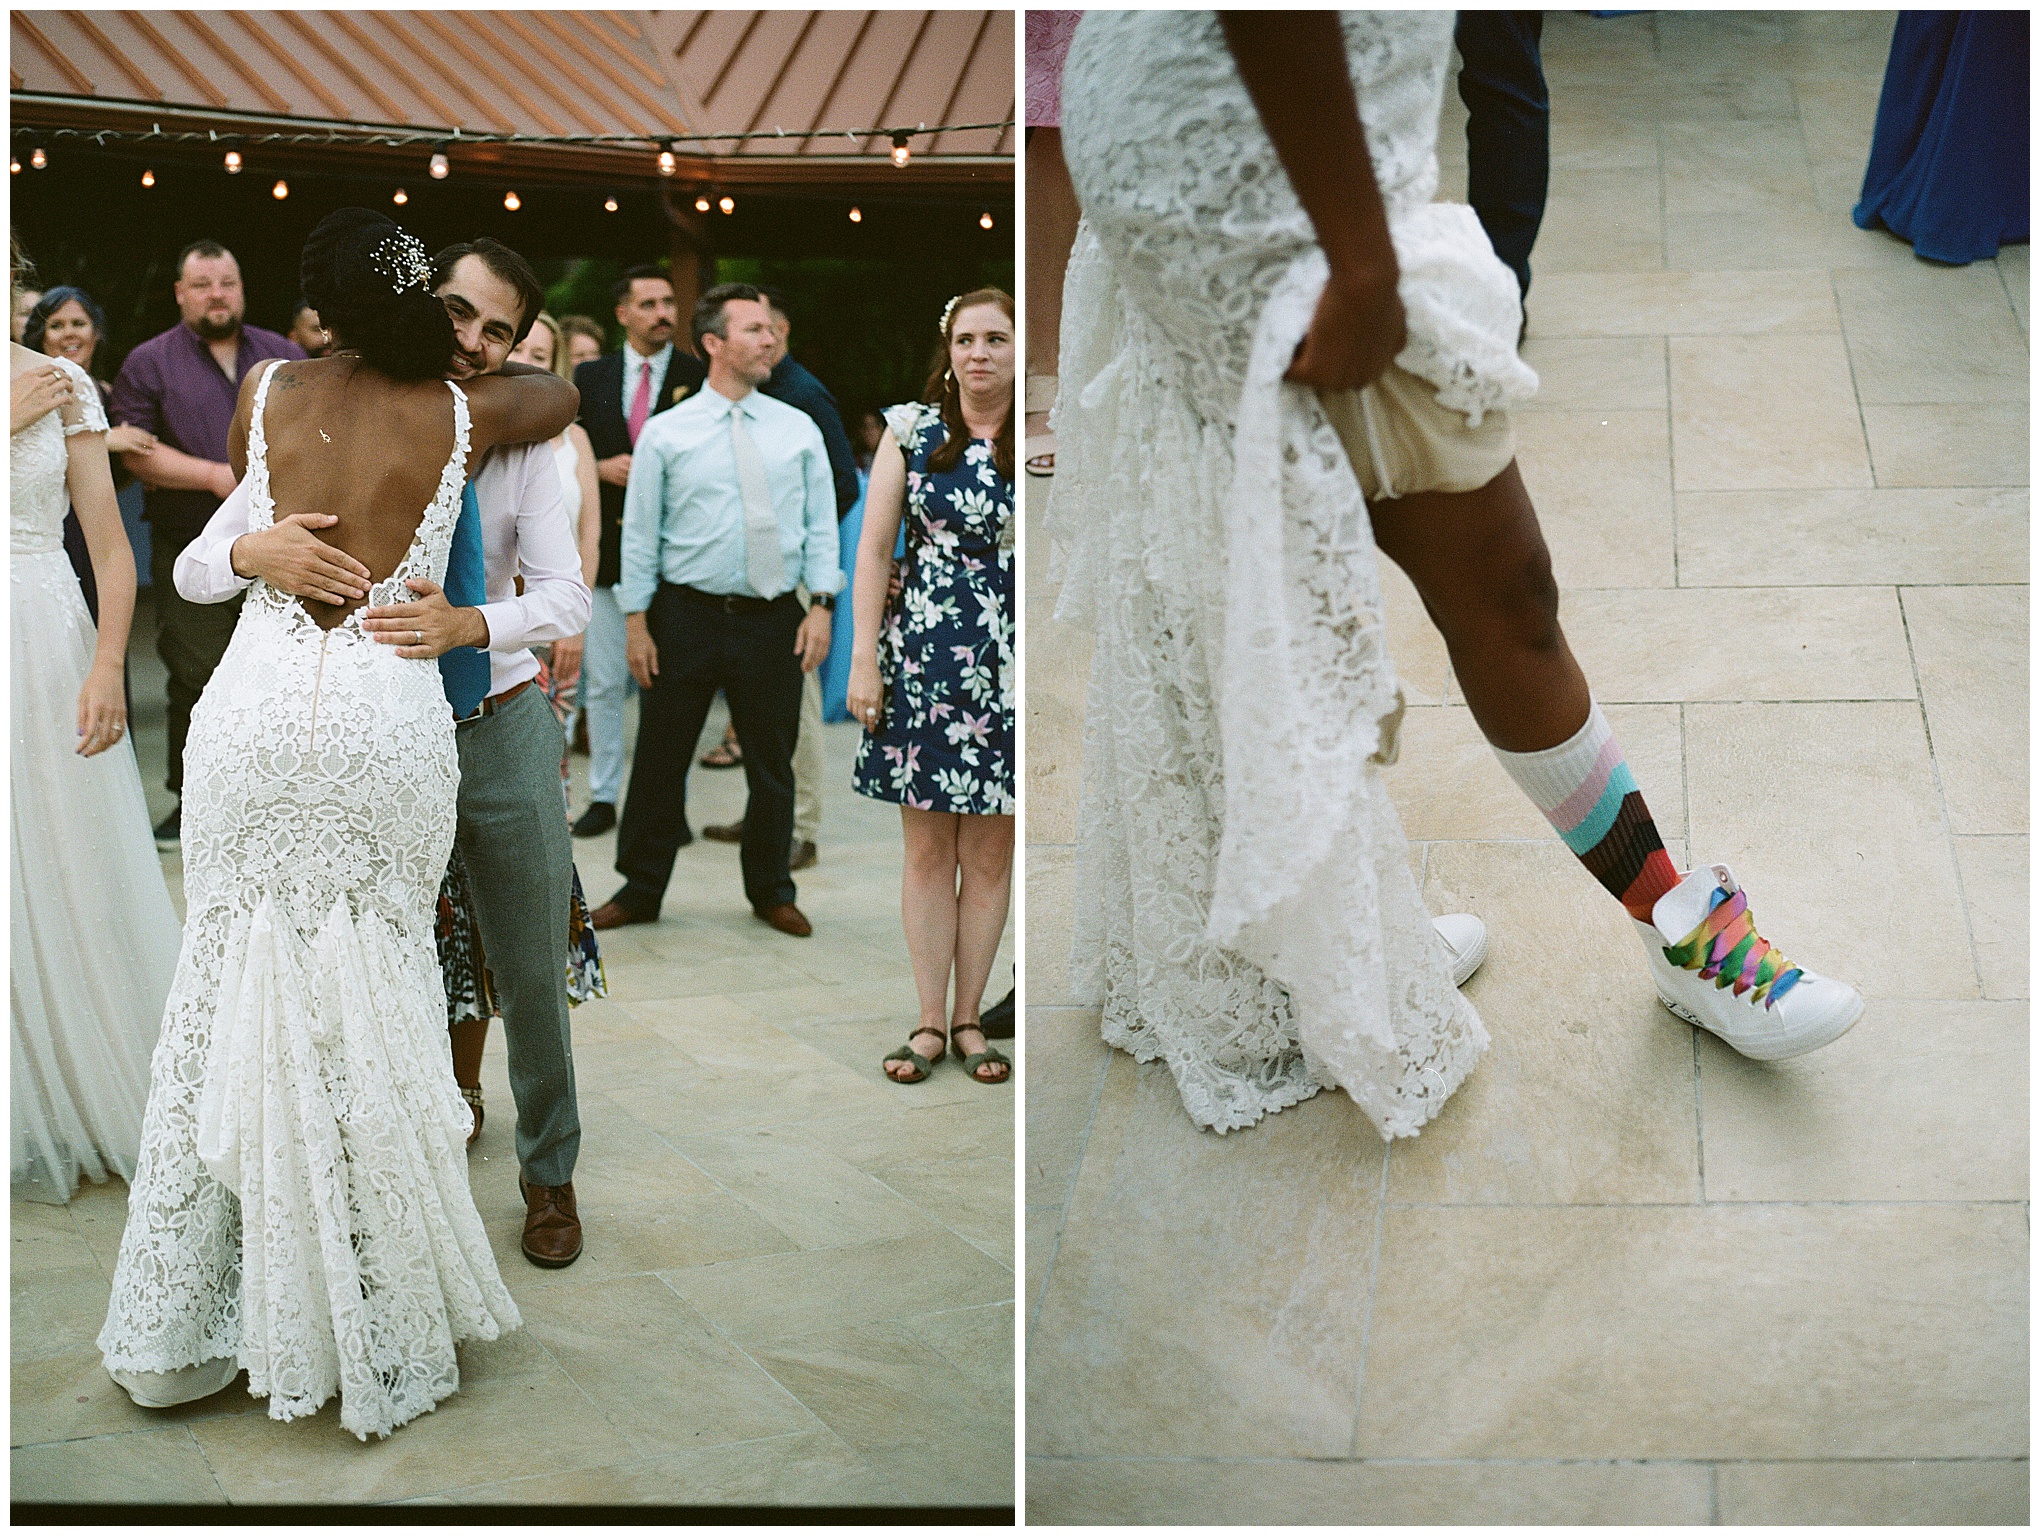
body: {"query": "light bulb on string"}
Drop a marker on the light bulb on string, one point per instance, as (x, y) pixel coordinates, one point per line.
(438, 166)
(701, 205)
(728, 205)
(37, 158)
(233, 162)
(984, 220)
(148, 178)
(609, 205)
(512, 201)
(400, 197)
(667, 164)
(281, 190)
(900, 153)
(856, 215)
(14, 164)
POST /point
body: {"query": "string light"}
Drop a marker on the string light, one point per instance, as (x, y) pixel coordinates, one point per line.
(667, 164)
(728, 205)
(856, 215)
(701, 205)
(900, 153)
(512, 201)
(438, 166)
(233, 162)
(14, 164)
(400, 197)
(280, 191)
(148, 178)
(984, 221)
(609, 205)
(37, 158)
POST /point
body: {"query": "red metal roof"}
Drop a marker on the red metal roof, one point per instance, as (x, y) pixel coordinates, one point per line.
(569, 72)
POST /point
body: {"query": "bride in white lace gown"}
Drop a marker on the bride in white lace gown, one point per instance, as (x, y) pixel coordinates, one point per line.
(301, 1208)
(1252, 919)
(93, 933)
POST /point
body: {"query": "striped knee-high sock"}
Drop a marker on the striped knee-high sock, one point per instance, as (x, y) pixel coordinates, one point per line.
(1584, 788)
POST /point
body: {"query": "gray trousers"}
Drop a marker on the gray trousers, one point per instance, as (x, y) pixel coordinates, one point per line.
(513, 834)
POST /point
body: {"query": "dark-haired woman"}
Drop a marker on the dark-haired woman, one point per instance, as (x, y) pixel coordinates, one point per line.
(66, 323)
(931, 677)
(301, 1206)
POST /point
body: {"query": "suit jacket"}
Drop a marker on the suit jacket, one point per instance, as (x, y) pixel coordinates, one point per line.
(601, 385)
(800, 389)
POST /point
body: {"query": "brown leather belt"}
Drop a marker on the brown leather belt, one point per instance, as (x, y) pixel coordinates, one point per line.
(496, 701)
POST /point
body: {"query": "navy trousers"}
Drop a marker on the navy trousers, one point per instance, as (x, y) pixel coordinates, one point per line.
(1508, 129)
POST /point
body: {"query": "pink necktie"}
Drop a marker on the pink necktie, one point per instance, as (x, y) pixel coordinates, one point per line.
(641, 402)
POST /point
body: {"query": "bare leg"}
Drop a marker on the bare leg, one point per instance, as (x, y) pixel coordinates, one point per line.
(1479, 562)
(928, 913)
(469, 1036)
(1052, 215)
(984, 850)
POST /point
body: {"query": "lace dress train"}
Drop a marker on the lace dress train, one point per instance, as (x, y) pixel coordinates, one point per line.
(1251, 916)
(302, 1199)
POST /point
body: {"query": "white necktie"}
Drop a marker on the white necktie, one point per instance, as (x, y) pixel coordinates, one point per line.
(764, 565)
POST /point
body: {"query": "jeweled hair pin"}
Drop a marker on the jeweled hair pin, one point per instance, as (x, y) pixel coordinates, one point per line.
(402, 261)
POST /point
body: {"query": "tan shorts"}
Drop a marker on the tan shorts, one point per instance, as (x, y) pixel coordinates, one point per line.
(1415, 443)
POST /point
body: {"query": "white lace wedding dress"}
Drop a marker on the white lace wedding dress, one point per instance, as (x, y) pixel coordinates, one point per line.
(93, 933)
(302, 1201)
(1251, 916)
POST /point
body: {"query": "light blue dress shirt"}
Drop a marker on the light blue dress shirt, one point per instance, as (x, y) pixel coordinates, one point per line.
(683, 513)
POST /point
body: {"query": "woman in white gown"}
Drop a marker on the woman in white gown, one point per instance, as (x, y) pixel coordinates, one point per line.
(94, 935)
(1256, 190)
(301, 1208)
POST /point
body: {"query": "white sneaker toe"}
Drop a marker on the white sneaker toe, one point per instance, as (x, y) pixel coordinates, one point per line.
(1465, 939)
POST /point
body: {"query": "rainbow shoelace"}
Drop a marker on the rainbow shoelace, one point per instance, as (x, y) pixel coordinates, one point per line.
(1727, 950)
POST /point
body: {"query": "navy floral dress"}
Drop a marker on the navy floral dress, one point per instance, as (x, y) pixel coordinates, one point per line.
(945, 734)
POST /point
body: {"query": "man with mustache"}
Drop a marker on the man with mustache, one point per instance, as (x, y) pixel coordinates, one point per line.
(182, 386)
(512, 831)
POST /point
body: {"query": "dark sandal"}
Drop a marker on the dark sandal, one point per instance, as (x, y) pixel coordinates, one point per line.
(908, 1053)
(474, 1102)
(727, 753)
(986, 1057)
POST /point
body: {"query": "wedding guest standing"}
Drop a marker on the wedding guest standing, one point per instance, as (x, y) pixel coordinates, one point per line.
(182, 386)
(306, 330)
(931, 679)
(730, 509)
(584, 340)
(94, 936)
(619, 394)
(793, 383)
(65, 322)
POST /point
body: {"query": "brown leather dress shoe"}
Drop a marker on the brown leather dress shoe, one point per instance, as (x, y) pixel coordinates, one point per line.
(787, 918)
(803, 856)
(731, 832)
(552, 1225)
(613, 914)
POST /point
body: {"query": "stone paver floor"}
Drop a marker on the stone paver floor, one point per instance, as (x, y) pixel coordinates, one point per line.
(1628, 1276)
(798, 1278)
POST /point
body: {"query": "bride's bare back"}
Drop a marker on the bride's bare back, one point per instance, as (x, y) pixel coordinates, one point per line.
(354, 444)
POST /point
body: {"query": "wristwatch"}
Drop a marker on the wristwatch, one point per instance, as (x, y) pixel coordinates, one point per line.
(822, 600)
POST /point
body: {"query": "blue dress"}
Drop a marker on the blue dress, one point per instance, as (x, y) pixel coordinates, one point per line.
(945, 733)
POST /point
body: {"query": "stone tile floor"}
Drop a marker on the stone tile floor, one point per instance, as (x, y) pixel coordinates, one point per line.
(1628, 1276)
(798, 1278)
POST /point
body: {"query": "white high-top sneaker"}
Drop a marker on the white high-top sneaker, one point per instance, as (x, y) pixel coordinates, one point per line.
(1465, 938)
(1713, 969)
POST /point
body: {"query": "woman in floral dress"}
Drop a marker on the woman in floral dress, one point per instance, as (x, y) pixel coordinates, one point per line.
(931, 674)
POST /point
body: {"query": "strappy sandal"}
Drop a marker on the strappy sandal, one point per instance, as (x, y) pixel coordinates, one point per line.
(926, 1064)
(727, 753)
(1040, 447)
(474, 1102)
(986, 1057)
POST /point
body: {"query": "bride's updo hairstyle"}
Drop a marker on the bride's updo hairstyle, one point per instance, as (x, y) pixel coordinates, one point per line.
(371, 283)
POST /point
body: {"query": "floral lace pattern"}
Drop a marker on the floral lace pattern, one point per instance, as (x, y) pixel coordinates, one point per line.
(302, 1198)
(1250, 913)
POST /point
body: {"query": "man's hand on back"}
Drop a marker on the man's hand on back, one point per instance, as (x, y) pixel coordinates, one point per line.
(614, 470)
(293, 559)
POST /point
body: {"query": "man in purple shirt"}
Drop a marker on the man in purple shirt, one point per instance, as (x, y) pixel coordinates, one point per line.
(183, 386)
